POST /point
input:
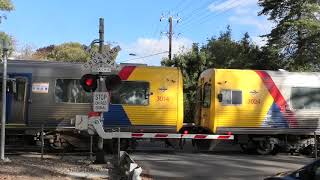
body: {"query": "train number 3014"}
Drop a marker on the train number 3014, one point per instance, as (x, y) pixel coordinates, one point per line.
(162, 99)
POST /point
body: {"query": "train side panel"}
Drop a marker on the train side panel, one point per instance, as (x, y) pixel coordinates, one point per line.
(158, 110)
(260, 102)
(245, 100)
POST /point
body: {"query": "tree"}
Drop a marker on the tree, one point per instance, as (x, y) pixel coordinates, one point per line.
(25, 52)
(191, 64)
(296, 36)
(71, 51)
(5, 37)
(6, 5)
(43, 53)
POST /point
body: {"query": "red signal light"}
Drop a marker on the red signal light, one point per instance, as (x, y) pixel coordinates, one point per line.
(89, 82)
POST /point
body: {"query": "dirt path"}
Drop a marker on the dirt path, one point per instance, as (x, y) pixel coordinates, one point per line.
(27, 167)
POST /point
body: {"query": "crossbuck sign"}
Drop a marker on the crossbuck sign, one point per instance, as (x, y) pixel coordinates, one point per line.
(102, 62)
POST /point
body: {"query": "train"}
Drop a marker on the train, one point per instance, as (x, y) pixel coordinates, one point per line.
(48, 95)
(265, 110)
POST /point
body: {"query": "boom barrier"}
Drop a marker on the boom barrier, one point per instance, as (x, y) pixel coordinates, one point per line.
(93, 125)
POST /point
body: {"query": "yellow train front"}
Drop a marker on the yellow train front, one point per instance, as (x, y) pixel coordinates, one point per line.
(149, 99)
(265, 110)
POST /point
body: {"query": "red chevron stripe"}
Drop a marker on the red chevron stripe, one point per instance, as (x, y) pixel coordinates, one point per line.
(126, 72)
(278, 98)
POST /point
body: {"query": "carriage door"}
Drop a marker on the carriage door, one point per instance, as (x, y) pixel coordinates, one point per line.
(17, 91)
(206, 104)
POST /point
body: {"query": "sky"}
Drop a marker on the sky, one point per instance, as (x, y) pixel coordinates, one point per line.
(134, 25)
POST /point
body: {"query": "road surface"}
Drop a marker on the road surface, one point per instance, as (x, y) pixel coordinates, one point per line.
(227, 163)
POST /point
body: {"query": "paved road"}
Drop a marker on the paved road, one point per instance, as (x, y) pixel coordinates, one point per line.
(227, 163)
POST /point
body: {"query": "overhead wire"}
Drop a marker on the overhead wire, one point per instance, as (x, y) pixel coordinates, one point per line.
(150, 55)
(204, 19)
(186, 7)
(208, 12)
(177, 6)
(197, 11)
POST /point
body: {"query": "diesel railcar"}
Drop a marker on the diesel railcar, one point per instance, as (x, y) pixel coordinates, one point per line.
(265, 110)
(49, 94)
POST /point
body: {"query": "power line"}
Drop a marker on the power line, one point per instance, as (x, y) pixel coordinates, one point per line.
(197, 10)
(150, 55)
(180, 3)
(186, 7)
(225, 10)
(190, 18)
(204, 19)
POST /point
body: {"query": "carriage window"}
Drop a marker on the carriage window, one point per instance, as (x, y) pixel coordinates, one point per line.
(17, 88)
(305, 98)
(131, 93)
(70, 91)
(20, 87)
(206, 95)
(231, 97)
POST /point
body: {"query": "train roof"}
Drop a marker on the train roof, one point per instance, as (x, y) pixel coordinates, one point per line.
(47, 63)
(279, 72)
(308, 79)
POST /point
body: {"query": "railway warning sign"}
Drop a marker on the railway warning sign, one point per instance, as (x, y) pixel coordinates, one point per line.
(102, 62)
(101, 101)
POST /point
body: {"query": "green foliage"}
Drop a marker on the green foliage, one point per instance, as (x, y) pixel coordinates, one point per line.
(44, 52)
(69, 52)
(9, 40)
(296, 36)
(6, 5)
(191, 64)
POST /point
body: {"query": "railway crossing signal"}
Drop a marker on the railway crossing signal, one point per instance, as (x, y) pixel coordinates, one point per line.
(112, 82)
(89, 82)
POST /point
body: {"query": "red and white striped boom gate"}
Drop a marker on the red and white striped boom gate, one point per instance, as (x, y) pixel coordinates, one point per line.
(93, 125)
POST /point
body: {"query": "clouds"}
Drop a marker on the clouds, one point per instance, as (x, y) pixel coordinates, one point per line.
(148, 46)
(245, 14)
(230, 4)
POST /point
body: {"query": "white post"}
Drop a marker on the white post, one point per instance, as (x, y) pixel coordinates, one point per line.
(4, 97)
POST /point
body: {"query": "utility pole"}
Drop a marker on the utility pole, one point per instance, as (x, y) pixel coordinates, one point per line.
(170, 34)
(101, 34)
(4, 97)
(170, 37)
(100, 153)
